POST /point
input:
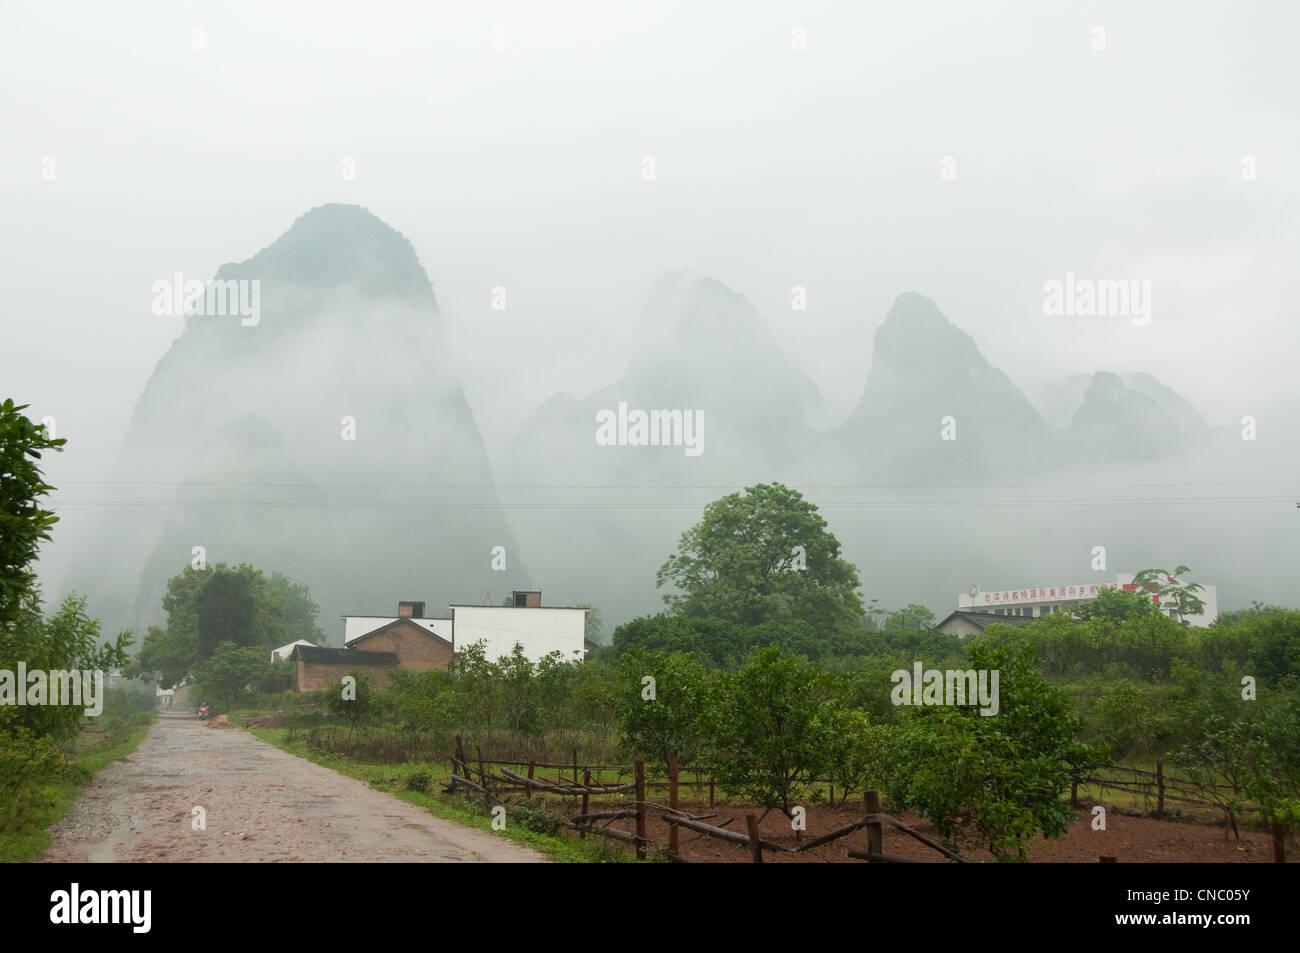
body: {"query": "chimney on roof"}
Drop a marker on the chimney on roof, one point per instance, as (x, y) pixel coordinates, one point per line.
(410, 610)
(527, 598)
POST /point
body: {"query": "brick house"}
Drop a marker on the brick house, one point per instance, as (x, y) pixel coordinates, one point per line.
(316, 667)
(406, 642)
(416, 648)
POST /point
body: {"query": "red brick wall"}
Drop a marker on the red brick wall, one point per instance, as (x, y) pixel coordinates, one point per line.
(313, 676)
(416, 648)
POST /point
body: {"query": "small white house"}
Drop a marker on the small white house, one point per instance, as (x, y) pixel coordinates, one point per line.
(285, 651)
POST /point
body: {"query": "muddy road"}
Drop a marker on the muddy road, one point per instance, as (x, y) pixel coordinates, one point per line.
(261, 804)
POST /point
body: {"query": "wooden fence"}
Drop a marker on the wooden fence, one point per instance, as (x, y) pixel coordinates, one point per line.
(476, 778)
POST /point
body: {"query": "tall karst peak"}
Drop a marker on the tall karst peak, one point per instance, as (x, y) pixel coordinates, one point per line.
(335, 245)
(915, 334)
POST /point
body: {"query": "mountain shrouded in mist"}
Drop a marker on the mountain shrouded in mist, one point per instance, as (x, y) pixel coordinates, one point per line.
(924, 370)
(608, 514)
(244, 429)
(945, 473)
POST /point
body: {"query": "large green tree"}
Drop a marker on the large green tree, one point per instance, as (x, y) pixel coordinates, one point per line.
(763, 556)
(240, 604)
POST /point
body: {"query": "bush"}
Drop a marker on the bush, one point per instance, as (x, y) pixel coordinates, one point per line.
(535, 818)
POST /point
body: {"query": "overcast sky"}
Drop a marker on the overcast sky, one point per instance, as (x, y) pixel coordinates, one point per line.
(775, 166)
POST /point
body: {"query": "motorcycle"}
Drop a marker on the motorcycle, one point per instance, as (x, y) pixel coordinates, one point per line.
(203, 712)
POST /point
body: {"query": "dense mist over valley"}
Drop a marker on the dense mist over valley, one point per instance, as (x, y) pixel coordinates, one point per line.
(990, 288)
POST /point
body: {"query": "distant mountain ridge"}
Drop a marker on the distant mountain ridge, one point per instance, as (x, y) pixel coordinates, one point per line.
(282, 442)
(244, 429)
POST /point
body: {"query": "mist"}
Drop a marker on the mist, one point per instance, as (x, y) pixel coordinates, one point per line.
(825, 230)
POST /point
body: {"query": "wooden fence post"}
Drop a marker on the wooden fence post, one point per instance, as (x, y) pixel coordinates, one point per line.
(586, 783)
(464, 760)
(478, 750)
(640, 809)
(751, 823)
(1279, 845)
(672, 803)
(1160, 789)
(575, 765)
(875, 833)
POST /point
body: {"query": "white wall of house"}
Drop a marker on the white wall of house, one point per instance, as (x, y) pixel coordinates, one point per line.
(285, 650)
(355, 626)
(540, 630)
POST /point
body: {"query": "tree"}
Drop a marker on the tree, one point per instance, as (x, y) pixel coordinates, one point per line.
(239, 604)
(715, 642)
(594, 625)
(773, 726)
(229, 672)
(659, 699)
(227, 607)
(67, 640)
(24, 524)
(1116, 606)
(995, 780)
(358, 704)
(476, 682)
(914, 618)
(1170, 590)
(763, 556)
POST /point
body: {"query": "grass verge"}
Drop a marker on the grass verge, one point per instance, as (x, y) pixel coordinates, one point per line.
(24, 833)
(394, 779)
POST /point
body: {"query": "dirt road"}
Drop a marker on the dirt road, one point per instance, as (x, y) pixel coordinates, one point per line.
(261, 804)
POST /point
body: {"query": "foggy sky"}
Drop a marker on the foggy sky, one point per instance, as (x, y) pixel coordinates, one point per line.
(522, 168)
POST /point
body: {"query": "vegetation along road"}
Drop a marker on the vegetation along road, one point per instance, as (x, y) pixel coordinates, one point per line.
(258, 804)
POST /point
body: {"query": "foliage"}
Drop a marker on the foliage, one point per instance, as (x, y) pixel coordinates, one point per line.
(24, 524)
(772, 726)
(763, 556)
(994, 780)
(68, 640)
(535, 818)
(913, 618)
(358, 703)
(230, 673)
(668, 723)
(1181, 595)
(239, 604)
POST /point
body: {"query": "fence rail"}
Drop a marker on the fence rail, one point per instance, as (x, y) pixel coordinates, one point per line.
(476, 778)
(1157, 787)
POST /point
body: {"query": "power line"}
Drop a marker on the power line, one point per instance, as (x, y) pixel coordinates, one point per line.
(671, 486)
(374, 504)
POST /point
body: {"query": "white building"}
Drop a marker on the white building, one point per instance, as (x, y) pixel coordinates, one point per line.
(1042, 600)
(355, 626)
(286, 650)
(539, 629)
